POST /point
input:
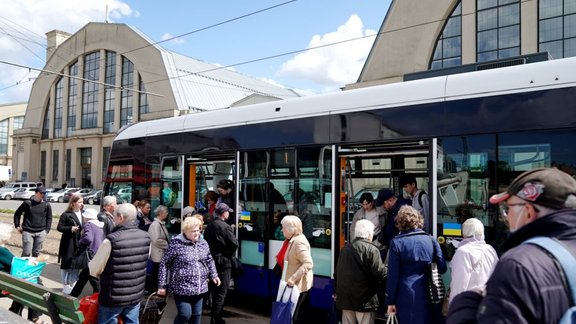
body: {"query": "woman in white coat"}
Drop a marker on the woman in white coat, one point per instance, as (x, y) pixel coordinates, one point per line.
(473, 261)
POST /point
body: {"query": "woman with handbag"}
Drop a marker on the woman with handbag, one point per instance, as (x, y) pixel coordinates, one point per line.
(90, 240)
(296, 250)
(70, 227)
(410, 255)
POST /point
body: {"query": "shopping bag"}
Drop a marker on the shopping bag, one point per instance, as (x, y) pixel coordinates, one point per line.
(392, 319)
(89, 307)
(27, 268)
(286, 293)
(282, 310)
(152, 308)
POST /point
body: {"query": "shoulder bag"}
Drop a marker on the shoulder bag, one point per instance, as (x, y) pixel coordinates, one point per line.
(435, 282)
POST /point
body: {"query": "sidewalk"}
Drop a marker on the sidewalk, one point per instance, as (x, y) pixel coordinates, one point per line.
(51, 278)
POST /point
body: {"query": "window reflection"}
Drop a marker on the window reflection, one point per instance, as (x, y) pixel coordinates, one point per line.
(557, 27)
(448, 50)
(498, 25)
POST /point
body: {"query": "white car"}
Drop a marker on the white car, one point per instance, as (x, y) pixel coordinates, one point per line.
(24, 193)
(58, 196)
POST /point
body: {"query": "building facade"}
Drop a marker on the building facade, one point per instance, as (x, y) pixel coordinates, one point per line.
(420, 35)
(105, 77)
(11, 118)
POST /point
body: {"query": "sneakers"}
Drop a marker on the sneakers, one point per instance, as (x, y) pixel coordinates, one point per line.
(67, 289)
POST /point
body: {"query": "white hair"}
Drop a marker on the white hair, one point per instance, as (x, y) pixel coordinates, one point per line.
(473, 227)
(364, 229)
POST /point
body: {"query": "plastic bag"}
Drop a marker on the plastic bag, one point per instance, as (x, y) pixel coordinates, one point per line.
(89, 307)
(27, 268)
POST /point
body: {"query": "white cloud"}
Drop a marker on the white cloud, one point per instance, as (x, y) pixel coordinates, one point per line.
(177, 41)
(335, 65)
(23, 25)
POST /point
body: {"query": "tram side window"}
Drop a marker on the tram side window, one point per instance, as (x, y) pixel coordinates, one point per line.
(171, 192)
(464, 182)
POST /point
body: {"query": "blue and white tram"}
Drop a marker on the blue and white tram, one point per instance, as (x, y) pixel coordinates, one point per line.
(463, 136)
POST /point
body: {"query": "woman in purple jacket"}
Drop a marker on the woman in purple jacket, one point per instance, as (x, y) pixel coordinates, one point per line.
(191, 265)
(91, 238)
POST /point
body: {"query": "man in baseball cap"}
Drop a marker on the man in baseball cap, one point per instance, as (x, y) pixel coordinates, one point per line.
(526, 285)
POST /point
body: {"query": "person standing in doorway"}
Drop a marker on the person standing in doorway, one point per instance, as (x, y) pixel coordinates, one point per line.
(419, 197)
(223, 245)
(36, 223)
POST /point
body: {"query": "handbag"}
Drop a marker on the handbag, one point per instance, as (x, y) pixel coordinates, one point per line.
(282, 310)
(80, 260)
(236, 266)
(435, 282)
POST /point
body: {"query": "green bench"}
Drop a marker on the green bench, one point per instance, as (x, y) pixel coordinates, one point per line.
(60, 307)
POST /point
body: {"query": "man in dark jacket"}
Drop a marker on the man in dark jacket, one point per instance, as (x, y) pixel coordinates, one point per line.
(387, 200)
(36, 223)
(120, 263)
(360, 274)
(526, 285)
(223, 244)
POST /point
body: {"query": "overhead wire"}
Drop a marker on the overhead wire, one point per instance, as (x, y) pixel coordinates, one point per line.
(248, 61)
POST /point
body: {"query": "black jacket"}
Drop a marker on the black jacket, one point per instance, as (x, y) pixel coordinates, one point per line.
(526, 285)
(37, 216)
(222, 242)
(69, 241)
(360, 274)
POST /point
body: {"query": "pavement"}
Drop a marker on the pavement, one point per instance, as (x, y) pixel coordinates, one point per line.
(51, 279)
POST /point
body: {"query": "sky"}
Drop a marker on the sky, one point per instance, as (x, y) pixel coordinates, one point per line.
(285, 42)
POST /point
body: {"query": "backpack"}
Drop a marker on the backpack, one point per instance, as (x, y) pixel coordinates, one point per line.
(422, 193)
(567, 262)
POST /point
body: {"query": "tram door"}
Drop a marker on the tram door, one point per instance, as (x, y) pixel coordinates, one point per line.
(367, 169)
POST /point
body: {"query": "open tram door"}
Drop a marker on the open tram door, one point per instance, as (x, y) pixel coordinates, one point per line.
(365, 169)
(203, 172)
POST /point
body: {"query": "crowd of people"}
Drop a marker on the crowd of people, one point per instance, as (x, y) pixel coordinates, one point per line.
(385, 266)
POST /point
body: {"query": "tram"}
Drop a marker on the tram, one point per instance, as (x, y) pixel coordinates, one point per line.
(463, 136)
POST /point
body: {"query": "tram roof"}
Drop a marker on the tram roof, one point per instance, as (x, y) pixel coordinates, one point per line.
(515, 79)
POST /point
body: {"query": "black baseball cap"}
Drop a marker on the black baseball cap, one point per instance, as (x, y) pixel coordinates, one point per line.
(40, 189)
(548, 187)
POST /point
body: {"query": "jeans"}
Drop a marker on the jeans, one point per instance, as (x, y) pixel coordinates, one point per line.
(69, 276)
(189, 309)
(109, 315)
(32, 243)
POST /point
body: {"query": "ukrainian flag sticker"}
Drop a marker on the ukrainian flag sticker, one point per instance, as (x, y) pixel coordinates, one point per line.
(452, 229)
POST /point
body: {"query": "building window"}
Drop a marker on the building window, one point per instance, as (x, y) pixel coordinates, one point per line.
(72, 91)
(110, 92)
(42, 164)
(127, 83)
(448, 50)
(105, 158)
(55, 166)
(18, 122)
(68, 164)
(144, 108)
(86, 167)
(4, 137)
(90, 93)
(498, 29)
(557, 27)
(46, 124)
(58, 106)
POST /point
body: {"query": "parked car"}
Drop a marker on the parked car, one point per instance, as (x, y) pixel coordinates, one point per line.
(92, 197)
(124, 195)
(7, 192)
(78, 191)
(58, 196)
(24, 193)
